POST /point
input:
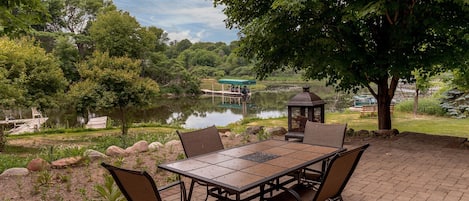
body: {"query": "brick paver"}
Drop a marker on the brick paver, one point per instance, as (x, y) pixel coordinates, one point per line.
(411, 166)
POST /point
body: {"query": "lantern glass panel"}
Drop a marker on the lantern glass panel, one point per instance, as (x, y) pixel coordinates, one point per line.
(299, 118)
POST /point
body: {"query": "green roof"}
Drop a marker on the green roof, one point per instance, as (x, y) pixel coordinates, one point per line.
(236, 81)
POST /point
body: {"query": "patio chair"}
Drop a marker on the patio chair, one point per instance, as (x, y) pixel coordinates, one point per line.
(337, 175)
(139, 185)
(200, 142)
(331, 135)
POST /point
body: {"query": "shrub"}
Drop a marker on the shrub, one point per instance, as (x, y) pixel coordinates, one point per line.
(428, 106)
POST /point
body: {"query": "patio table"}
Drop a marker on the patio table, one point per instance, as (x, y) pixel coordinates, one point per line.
(237, 170)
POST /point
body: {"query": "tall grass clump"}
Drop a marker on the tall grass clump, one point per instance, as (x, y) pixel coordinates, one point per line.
(16, 156)
(9, 161)
(427, 106)
(52, 153)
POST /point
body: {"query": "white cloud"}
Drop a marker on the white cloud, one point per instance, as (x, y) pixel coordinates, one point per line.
(196, 20)
(183, 35)
(206, 15)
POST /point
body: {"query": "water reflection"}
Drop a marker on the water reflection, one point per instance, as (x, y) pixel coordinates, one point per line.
(212, 118)
(193, 112)
(221, 111)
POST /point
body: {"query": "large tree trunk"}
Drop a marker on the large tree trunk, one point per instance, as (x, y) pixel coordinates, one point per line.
(384, 98)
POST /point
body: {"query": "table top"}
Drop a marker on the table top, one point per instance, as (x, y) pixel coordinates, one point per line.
(242, 168)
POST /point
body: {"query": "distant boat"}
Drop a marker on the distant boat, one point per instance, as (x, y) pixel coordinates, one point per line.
(235, 88)
(361, 100)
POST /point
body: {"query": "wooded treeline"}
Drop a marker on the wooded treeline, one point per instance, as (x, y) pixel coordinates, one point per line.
(96, 56)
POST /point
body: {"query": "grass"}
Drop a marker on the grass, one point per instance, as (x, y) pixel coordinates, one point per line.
(401, 121)
(46, 144)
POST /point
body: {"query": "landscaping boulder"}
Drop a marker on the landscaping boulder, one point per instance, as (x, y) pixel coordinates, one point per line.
(174, 145)
(14, 172)
(93, 154)
(276, 131)
(140, 146)
(154, 146)
(38, 164)
(115, 151)
(386, 133)
(66, 162)
(253, 130)
(362, 133)
(225, 134)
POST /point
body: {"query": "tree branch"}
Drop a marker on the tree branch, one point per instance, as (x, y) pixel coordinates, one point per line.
(393, 86)
(396, 13)
(389, 18)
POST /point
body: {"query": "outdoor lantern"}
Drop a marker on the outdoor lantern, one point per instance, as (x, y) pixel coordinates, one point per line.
(301, 108)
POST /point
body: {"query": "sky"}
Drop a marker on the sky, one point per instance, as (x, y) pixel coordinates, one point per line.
(195, 20)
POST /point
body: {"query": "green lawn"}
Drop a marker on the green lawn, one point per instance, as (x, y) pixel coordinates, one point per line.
(400, 121)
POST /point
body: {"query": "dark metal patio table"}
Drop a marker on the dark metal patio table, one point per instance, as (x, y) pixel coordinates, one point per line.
(237, 170)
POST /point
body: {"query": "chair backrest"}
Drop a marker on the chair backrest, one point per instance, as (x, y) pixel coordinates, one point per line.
(200, 141)
(338, 173)
(324, 134)
(135, 185)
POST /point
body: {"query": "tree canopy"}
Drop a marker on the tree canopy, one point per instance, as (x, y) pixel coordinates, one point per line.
(31, 77)
(17, 16)
(353, 44)
(120, 34)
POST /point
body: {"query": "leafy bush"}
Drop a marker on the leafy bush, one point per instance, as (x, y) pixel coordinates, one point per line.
(428, 106)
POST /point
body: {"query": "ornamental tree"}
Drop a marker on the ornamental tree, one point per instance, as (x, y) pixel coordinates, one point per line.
(353, 44)
(112, 83)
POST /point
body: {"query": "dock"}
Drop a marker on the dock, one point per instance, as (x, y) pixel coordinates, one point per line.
(222, 93)
(21, 126)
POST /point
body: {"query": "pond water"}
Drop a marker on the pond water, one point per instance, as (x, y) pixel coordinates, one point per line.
(196, 112)
(210, 110)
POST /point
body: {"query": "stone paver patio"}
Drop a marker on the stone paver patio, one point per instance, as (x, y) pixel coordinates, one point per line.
(411, 166)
